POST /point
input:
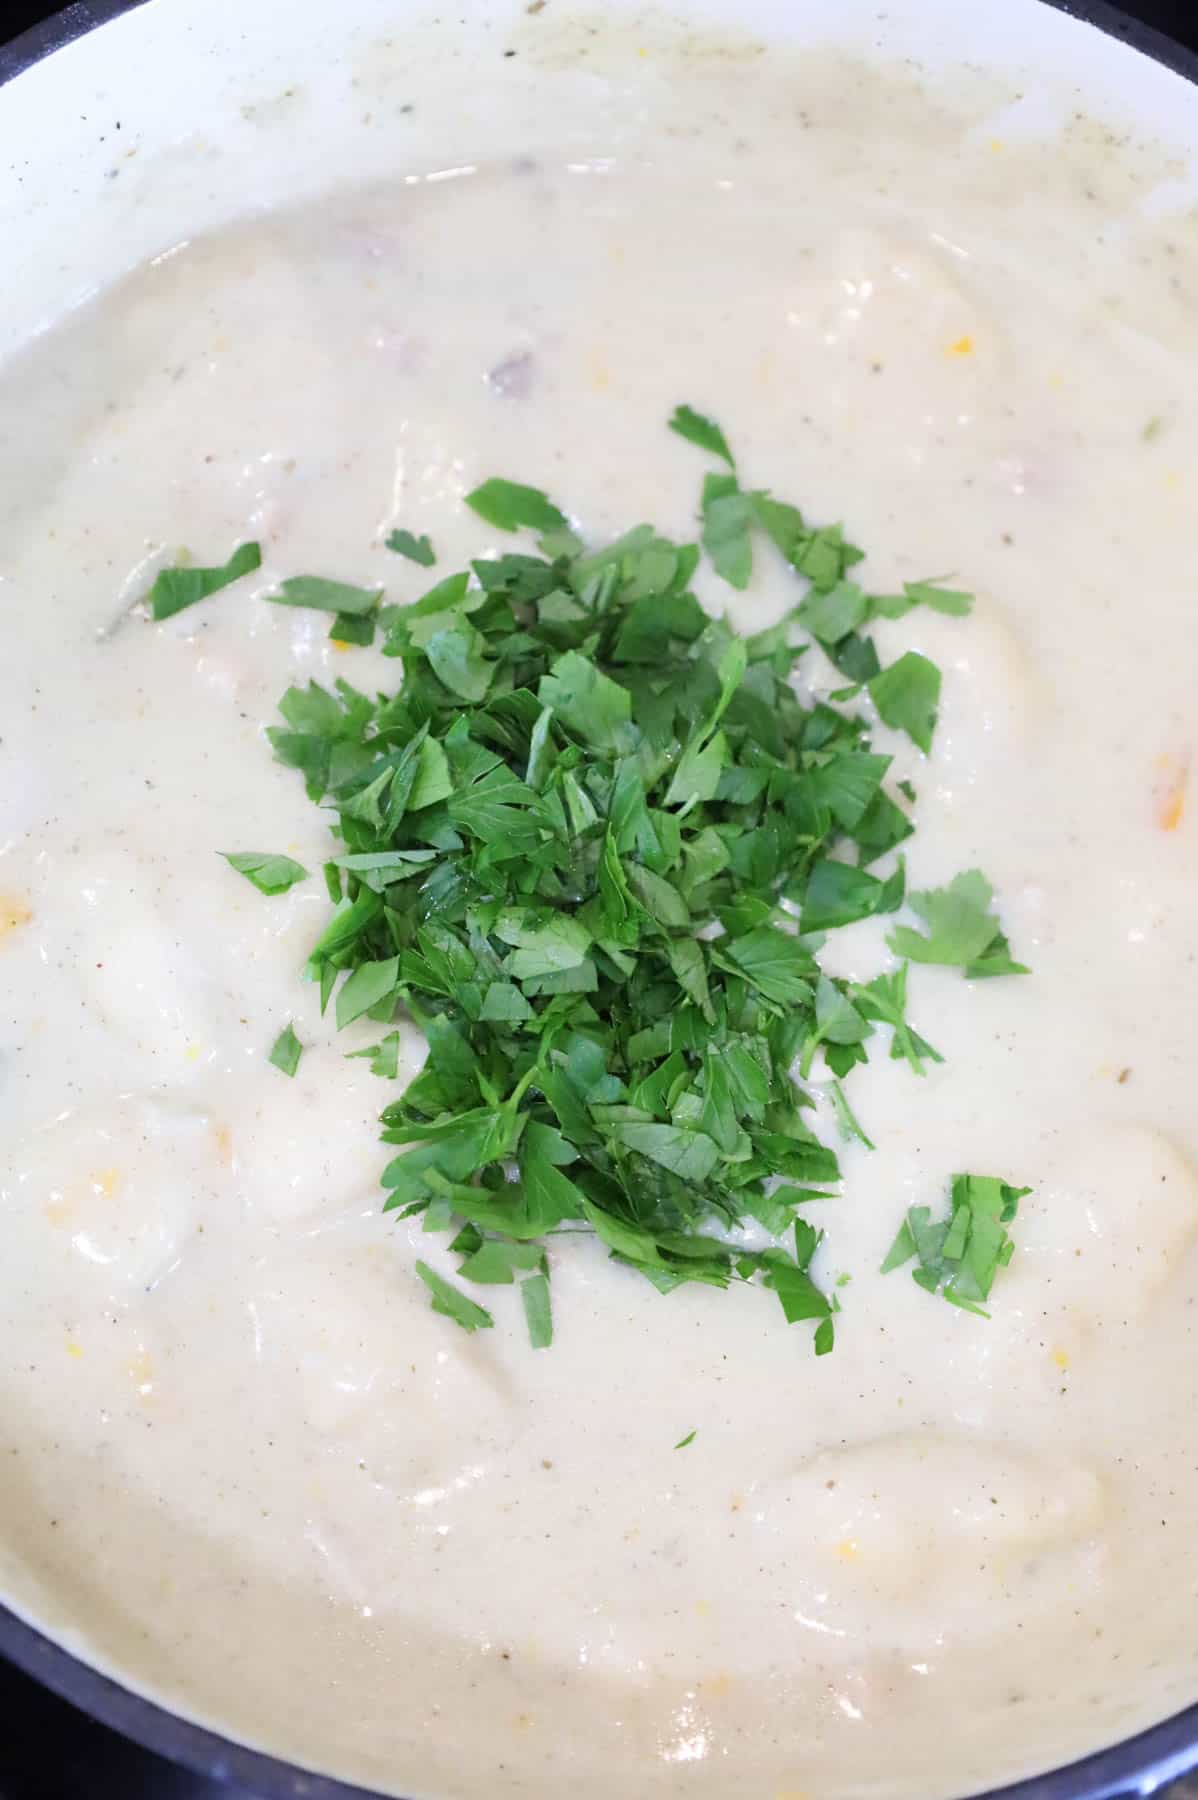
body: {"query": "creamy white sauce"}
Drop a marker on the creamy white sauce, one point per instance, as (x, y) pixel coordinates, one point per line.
(244, 1465)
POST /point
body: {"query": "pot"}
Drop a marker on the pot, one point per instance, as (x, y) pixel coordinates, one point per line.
(170, 117)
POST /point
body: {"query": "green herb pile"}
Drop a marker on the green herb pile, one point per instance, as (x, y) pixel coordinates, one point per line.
(593, 847)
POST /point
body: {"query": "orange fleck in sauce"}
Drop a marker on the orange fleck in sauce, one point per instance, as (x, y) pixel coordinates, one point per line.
(13, 914)
(1171, 790)
(716, 1687)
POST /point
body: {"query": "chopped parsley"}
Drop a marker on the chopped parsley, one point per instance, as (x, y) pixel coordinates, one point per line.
(178, 588)
(416, 549)
(383, 1056)
(697, 429)
(538, 1315)
(286, 1051)
(354, 609)
(352, 628)
(591, 846)
(508, 506)
(959, 1257)
(727, 529)
(907, 696)
(327, 596)
(269, 874)
(452, 1302)
(962, 931)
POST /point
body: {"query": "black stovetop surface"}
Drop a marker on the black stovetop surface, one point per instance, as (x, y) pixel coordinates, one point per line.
(48, 1749)
(51, 1751)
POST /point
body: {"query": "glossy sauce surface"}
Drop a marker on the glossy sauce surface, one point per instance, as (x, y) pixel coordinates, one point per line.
(244, 1464)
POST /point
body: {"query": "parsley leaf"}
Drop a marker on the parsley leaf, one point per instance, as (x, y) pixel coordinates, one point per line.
(696, 428)
(327, 596)
(416, 549)
(885, 1000)
(683, 1442)
(508, 505)
(286, 1051)
(594, 709)
(538, 1314)
(352, 628)
(727, 515)
(837, 893)
(452, 1302)
(907, 696)
(962, 931)
(692, 1155)
(269, 874)
(495, 1262)
(951, 601)
(383, 1056)
(176, 589)
(849, 1124)
(960, 1256)
(456, 657)
(832, 615)
(775, 963)
(369, 985)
